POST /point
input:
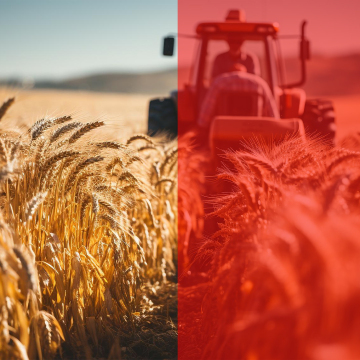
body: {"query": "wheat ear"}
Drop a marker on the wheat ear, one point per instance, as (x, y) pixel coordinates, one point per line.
(63, 130)
(85, 129)
(139, 137)
(5, 107)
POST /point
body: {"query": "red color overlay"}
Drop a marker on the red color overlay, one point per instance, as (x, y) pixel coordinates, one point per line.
(268, 245)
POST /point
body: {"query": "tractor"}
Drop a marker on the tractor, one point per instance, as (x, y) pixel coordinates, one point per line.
(236, 113)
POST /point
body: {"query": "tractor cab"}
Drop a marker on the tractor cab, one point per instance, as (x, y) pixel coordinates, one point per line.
(225, 46)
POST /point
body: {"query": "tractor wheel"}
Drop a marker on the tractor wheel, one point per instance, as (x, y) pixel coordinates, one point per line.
(162, 117)
(319, 119)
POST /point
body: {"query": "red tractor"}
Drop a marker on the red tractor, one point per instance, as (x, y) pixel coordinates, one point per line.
(225, 49)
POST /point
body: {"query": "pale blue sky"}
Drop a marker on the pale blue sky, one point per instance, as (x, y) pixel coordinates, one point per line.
(64, 38)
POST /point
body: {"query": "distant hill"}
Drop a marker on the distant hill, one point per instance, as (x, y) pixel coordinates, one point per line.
(160, 82)
(146, 83)
(327, 76)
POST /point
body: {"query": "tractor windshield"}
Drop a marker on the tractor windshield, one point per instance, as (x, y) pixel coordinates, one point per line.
(230, 55)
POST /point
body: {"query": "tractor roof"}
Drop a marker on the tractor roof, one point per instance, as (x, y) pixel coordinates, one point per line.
(235, 24)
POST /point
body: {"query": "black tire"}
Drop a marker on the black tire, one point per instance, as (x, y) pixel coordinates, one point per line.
(162, 117)
(319, 119)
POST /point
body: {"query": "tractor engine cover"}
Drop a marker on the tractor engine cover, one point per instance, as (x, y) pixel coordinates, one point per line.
(228, 132)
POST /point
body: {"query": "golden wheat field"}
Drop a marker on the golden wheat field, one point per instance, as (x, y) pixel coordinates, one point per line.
(125, 114)
(89, 212)
(88, 245)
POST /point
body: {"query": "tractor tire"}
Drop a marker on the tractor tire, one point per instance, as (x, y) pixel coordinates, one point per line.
(162, 117)
(319, 120)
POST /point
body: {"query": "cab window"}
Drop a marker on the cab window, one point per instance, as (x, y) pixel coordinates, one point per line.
(231, 55)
